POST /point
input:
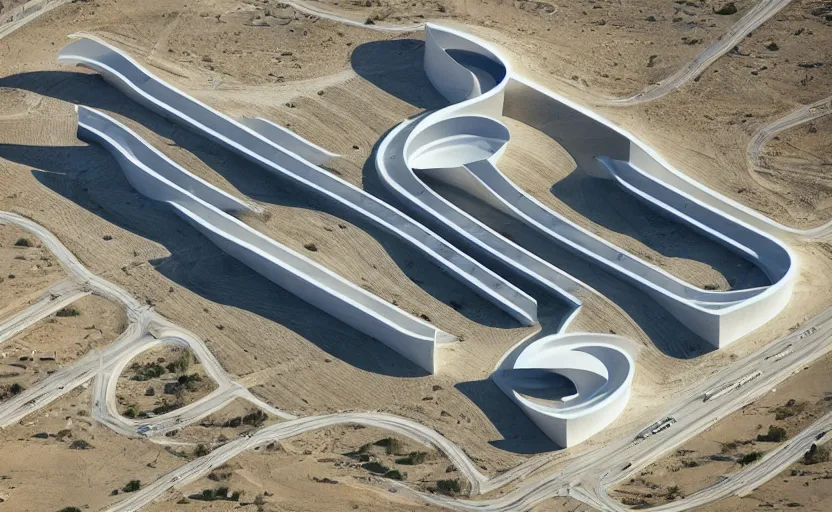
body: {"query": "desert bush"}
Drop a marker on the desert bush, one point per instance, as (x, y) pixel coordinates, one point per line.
(147, 371)
(413, 458)
(201, 450)
(181, 365)
(23, 242)
(750, 458)
(375, 467)
(774, 435)
(68, 311)
(673, 492)
(256, 418)
(132, 486)
(392, 446)
(448, 486)
(395, 474)
(792, 408)
(80, 444)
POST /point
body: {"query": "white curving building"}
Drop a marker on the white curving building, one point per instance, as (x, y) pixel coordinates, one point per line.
(460, 146)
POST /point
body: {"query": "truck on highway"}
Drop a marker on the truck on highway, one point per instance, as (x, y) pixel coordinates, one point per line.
(656, 427)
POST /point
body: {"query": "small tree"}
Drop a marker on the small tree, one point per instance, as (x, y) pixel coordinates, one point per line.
(775, 435)
(132, 486)
(750, 458)
(673, 492)
(201, 450)
(448, 486)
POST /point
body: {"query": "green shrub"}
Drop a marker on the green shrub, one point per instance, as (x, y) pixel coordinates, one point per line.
(80, 444)
(23, 242)
(131, 412)
(132, 486)
(395, 474)
(774, 435)
(16, 388)
(201, 450)
(68, 311)
(256, 418)
(413, 458)
(375, 467)
(392, 446)
(673, 492)
(180, 365)
(220, 493)
(70, 509)
(147, 371)
(448, 486)
(749, 458)
(792, 408)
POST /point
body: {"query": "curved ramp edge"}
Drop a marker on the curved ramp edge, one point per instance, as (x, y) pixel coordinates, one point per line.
(434, 145)
(148, 90)
(288, 139)
(412, 337)
(718, 317)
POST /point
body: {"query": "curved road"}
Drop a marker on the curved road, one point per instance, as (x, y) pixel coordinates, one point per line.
(585, 477)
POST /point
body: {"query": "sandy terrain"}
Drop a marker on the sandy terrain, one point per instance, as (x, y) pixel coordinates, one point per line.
(343, 87)
(47, 474)
(33, 268)
(58, 341)
(325, 470)
(231, 421)
(800, 487)
(699, 462)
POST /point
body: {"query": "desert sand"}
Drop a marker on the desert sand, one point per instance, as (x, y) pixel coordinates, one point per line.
(343, 87)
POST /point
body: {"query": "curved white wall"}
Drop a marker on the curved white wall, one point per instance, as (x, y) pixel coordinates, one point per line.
(718, 317)
(159, 178)
(435, 145)
(148, 90)
(601, 366)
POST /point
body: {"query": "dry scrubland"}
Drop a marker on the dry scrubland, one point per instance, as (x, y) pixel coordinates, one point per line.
(59, 340)
(740, 439)
(28, 270)
(161, 380)
(59, 457)
(343, 87)
(324, 470)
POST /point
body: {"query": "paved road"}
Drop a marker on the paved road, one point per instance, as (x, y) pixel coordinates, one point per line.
(55, 298)
(586, 477)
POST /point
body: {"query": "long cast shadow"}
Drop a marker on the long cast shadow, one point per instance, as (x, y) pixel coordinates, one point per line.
(91, 178)
(396, 68)
(606, 204)
(259, 184)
